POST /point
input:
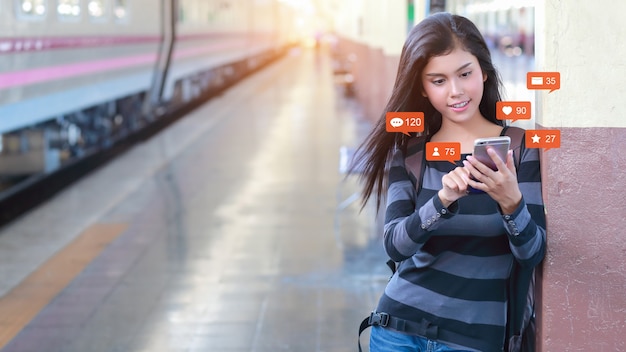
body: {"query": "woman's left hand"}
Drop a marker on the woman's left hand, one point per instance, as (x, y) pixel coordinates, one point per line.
(501, 185)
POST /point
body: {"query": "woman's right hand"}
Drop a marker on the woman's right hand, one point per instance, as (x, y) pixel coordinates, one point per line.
(455, 185)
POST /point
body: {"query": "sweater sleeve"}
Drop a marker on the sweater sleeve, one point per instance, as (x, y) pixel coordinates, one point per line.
(526, 226)
(407, 228)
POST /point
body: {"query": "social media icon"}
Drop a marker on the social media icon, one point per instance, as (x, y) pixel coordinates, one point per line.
(404, 122)
(543, 80)
(443, 151)
(546, 139)
(513, 110)
(396, 122)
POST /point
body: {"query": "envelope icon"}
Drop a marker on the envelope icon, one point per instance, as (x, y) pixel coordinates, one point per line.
(536, 81)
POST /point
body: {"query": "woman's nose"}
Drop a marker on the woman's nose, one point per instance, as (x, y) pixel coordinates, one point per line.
(455, 88)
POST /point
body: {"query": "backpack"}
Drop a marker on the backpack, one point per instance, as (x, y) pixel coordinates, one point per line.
(520, 327)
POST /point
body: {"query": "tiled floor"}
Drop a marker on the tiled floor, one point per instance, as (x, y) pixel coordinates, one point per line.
(231, 240)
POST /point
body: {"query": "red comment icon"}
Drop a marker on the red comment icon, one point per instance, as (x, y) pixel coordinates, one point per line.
(404, 122)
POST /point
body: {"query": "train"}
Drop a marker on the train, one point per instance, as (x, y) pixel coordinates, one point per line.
(78, 77)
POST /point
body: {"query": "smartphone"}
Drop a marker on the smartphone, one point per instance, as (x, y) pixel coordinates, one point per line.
(499, 144)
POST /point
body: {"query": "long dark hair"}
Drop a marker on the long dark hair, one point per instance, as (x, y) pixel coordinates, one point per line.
(436, 35)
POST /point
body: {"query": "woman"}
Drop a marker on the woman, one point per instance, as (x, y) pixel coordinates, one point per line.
(454, 249)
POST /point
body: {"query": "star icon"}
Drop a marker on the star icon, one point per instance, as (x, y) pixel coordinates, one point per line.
(535, 138)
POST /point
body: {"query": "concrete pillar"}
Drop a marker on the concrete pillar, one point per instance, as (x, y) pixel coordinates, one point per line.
(582, 293)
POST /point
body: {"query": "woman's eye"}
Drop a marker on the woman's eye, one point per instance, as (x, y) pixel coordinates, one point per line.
(465, 74)
(438, 82)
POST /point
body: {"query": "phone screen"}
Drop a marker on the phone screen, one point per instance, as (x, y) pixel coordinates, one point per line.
(480, 153)
(499, 144)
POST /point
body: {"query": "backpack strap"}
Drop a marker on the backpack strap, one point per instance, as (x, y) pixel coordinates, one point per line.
(414, 161)
(366, 323)
(517, 142)
(521, 306)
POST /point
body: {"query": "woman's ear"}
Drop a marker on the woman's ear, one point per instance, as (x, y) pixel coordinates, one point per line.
(485, 77)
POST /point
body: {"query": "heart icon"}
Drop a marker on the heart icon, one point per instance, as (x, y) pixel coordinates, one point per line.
(507, 110)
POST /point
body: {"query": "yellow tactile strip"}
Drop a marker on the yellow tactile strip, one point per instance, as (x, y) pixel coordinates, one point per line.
(20, 305)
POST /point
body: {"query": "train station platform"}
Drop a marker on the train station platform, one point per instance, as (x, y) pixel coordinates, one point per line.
(232, 230)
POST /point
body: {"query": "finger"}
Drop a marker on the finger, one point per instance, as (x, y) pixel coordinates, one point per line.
(463, 175)
(477, 185)
(460, 172)
(473, 169)
(510, 162)
(454, 182)
(457, 179)
(479, 166)
(500, 164)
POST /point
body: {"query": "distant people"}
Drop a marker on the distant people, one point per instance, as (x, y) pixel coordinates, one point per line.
(454, 250)
(318, 39)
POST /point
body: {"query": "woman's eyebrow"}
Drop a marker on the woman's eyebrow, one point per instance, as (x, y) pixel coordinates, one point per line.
(441, 74)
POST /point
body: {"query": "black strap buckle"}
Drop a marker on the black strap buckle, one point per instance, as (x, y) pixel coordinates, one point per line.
(381, 319)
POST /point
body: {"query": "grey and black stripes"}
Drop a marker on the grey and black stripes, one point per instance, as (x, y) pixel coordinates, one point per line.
(455, 262)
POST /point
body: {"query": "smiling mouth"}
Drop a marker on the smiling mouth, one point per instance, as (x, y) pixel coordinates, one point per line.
(459, 105)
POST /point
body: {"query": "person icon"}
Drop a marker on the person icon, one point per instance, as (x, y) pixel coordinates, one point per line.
(436, 151)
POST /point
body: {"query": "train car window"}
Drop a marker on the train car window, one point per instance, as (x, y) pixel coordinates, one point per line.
(120, 9)
(31, 8)
(98, 9)
(68, 9)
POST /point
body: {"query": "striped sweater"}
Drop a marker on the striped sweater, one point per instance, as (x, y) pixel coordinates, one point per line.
(455, 261)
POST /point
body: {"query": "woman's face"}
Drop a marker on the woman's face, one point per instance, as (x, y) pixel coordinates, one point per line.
(453, 83)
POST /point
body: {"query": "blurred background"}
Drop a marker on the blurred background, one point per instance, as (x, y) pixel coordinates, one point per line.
(78, 77)
(368, 36)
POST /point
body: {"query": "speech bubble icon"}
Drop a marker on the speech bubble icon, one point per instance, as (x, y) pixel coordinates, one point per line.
(546, 139)
(404, 122)
(513, 110)
(396, 122)
(443, 151)
(543, 80)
